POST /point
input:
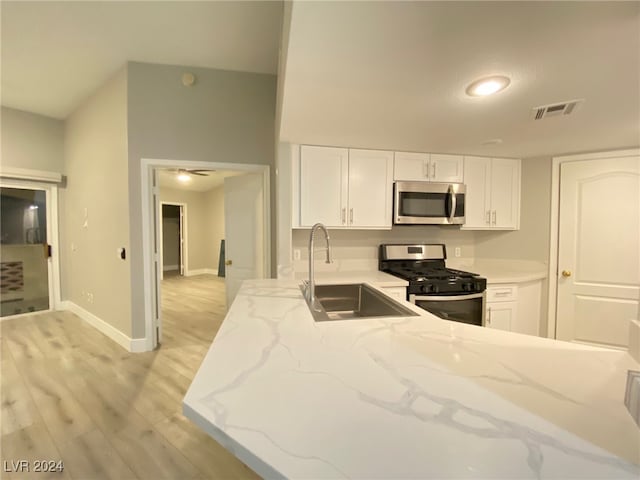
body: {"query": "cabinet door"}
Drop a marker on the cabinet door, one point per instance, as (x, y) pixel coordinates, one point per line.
(397, 293)
(501, 315)
(323, 186)
(370, 188)
(446, 168)
(411, 167)
(477, 202)
(505, 193)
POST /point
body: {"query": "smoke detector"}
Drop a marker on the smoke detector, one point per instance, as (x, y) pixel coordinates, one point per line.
(556, 109)
(188, 79)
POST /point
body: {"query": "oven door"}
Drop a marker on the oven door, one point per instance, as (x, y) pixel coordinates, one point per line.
(457, 308)
(424, 203)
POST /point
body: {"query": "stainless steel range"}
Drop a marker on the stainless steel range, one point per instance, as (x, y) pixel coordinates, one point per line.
(447, 293)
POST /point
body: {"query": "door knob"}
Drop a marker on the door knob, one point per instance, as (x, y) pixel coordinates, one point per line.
(228, 262)
(566, 273)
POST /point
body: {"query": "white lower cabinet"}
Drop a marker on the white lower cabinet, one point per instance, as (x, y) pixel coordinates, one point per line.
(397, 293)
(501, 307)
(501, 315)
(514, 307)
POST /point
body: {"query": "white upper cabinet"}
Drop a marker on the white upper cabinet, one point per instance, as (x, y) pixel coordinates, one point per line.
(493, 193)
(409, 167)
(345, 187)
(432, 167)
(323, 185)
(370, 188)
(446, 168)
(505, 193)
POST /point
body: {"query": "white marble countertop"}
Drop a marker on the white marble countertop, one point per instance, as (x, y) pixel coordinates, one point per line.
(415, 398)
(497, 270)
(375, 277)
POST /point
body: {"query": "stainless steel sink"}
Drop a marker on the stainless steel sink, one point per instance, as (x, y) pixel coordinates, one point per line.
(354, 301)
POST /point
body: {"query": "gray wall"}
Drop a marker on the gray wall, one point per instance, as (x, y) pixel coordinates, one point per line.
(32, 141)
(95, 206)
(225, 117)
(214, 225)
(531, 242)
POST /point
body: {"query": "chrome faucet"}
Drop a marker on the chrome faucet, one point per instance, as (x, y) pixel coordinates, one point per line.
(311, 285)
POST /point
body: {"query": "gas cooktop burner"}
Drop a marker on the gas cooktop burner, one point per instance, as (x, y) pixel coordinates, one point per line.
(423, 266)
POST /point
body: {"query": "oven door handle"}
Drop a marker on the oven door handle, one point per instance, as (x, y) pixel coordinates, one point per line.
(447, 298)
(453, 203)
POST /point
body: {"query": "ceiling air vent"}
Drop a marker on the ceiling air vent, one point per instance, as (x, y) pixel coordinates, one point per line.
(555, 109)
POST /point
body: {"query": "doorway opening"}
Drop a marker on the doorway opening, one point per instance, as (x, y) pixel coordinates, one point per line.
(199, 215)
(28, 230)
(173, 244)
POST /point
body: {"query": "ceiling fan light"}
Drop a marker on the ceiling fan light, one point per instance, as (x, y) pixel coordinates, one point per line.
(184, 177)
(488, 86)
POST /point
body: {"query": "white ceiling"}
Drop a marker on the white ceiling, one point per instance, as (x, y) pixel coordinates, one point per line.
(56, 53)
(387, 75)
(392, 75)
(169, 178)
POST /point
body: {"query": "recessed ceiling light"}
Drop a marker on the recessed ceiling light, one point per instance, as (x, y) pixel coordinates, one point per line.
(184, 177)
(488, 86)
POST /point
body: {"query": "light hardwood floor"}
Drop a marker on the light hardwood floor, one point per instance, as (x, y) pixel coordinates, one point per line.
(69, 393)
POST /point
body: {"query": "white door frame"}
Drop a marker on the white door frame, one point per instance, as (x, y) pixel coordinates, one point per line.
(555, 227)
(51, 195)
(183, 267)
(148, 167)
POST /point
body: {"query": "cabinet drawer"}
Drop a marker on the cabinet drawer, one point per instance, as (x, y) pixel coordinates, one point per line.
(502, 293)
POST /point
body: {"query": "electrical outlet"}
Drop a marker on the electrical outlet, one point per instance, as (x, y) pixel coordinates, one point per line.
(90, 297)
(457, 251)
(296, 254)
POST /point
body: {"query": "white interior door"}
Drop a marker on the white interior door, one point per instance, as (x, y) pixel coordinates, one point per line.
(598, 250)
(156, 208)
(181, 233)
(244, 225)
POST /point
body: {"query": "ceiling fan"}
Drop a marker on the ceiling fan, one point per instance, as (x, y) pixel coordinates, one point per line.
(187, 171)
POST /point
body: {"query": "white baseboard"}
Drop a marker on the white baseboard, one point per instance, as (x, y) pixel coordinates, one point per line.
(201, 271)
(166, 268)
(133, 345)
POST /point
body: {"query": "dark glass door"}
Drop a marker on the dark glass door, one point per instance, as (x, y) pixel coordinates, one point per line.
(24, 251)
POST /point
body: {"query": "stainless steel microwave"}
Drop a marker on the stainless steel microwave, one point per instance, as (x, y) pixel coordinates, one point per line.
(427, 203)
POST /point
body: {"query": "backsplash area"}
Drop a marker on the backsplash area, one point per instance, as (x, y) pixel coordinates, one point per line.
(358, 249)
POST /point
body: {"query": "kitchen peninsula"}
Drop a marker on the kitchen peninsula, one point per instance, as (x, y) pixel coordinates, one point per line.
(415, 397)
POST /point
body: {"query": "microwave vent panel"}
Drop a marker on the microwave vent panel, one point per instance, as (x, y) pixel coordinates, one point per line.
(555, 109)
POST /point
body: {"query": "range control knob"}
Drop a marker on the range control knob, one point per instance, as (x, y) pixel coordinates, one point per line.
(427, 288)
(467, 287)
